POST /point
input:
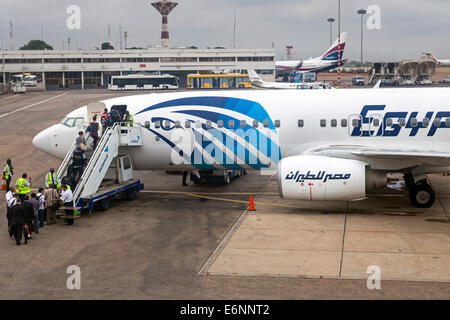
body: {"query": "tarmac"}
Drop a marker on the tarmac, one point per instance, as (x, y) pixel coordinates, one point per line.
(200, 242)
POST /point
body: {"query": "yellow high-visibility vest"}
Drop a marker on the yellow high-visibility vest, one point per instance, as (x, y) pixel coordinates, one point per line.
(22, 187)
(7, 171)
(55, 179)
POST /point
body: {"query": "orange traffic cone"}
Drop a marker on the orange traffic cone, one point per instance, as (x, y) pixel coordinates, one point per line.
(3, 187)
(251, 207)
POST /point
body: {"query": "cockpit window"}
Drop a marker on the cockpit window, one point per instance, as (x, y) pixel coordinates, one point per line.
(72, 122)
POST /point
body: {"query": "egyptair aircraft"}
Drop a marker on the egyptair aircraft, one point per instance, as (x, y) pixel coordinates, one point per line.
(329, 60)
(325, 144)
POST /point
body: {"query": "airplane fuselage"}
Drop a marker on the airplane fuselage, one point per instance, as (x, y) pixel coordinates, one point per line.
(255, 129)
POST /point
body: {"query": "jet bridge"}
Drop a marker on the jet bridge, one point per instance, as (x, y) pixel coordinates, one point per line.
(108, 170)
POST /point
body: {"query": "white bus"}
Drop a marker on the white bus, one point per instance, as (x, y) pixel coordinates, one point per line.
(144, 82)
(30, 81)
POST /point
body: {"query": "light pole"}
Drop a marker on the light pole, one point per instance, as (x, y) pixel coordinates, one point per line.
(361, 12)
(339, 43)
(331, 20)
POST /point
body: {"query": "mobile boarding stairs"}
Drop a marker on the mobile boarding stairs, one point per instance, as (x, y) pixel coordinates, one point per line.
(109, 170)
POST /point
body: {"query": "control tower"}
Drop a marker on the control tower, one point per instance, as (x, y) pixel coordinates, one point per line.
(164, 7)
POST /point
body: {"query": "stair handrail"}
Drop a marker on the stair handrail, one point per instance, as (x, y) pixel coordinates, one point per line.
(92, 162)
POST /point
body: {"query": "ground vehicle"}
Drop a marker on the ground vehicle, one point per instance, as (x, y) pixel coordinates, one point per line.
(446, 80)
(17, 84)
(30, 81)
(358, 81)
(144, 82)
(218, 81)
(424, 81)
(216, 176)
(407, 81)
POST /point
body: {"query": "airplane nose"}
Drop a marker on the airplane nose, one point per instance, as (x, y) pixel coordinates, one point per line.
(42, 141)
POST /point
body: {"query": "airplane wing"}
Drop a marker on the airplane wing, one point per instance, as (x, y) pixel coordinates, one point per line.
(386, 159)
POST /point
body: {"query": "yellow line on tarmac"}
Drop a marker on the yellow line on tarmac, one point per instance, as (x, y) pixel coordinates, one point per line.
(205, 195)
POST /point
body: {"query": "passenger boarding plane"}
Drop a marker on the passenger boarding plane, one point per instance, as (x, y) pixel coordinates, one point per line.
(325, 144)
(329, 60)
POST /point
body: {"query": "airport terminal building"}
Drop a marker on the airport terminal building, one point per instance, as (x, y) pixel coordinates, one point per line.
(93, 69)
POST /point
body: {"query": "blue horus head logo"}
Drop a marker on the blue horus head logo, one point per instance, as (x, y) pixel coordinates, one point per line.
(212, 133)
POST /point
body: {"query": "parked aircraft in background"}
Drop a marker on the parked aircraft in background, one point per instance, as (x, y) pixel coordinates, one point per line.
(256, 81)
(439, 62)
(329, 60)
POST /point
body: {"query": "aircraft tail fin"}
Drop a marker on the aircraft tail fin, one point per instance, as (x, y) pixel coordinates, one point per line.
(253, 76)
(332, 53)
(431, 57)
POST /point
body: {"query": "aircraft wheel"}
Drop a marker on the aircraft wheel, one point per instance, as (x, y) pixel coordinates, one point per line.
(422, 196)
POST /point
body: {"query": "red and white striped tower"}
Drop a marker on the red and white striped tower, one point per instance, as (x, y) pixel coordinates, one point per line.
(164, 7)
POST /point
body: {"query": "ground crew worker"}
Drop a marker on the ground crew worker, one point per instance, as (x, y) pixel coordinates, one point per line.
(23, 187)
(7, 173)
(52, 178)
(129, 119)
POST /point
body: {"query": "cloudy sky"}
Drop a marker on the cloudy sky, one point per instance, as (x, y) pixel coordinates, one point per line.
(408, 27)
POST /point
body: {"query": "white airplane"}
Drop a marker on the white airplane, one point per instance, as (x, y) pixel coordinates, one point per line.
(256, 81)
(329, 60)
(325, 144)
(439, 62)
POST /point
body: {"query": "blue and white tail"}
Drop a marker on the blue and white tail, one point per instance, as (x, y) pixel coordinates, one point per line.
(332, 53)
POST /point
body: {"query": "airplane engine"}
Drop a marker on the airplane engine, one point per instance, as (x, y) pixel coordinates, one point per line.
(326, 178)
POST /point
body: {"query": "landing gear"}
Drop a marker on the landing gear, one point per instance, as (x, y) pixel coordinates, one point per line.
(422, 194)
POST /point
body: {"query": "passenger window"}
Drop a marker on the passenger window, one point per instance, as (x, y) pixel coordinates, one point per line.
(188, 124)
(266, 123)
(243, 124)
(402, 122)
(208, 124)
(426, 122)
(301, 123)
(220, 123)
(277, 123)
(414, 122)
(177, 124)
(158, 124)
(231, 124)
(333, 123)
(344, 123)
(255, 124)
(376, 122)
(167, 124)
(389, 122)
(355, 123)
(447, 122)
(323, 123)
(437, 122)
